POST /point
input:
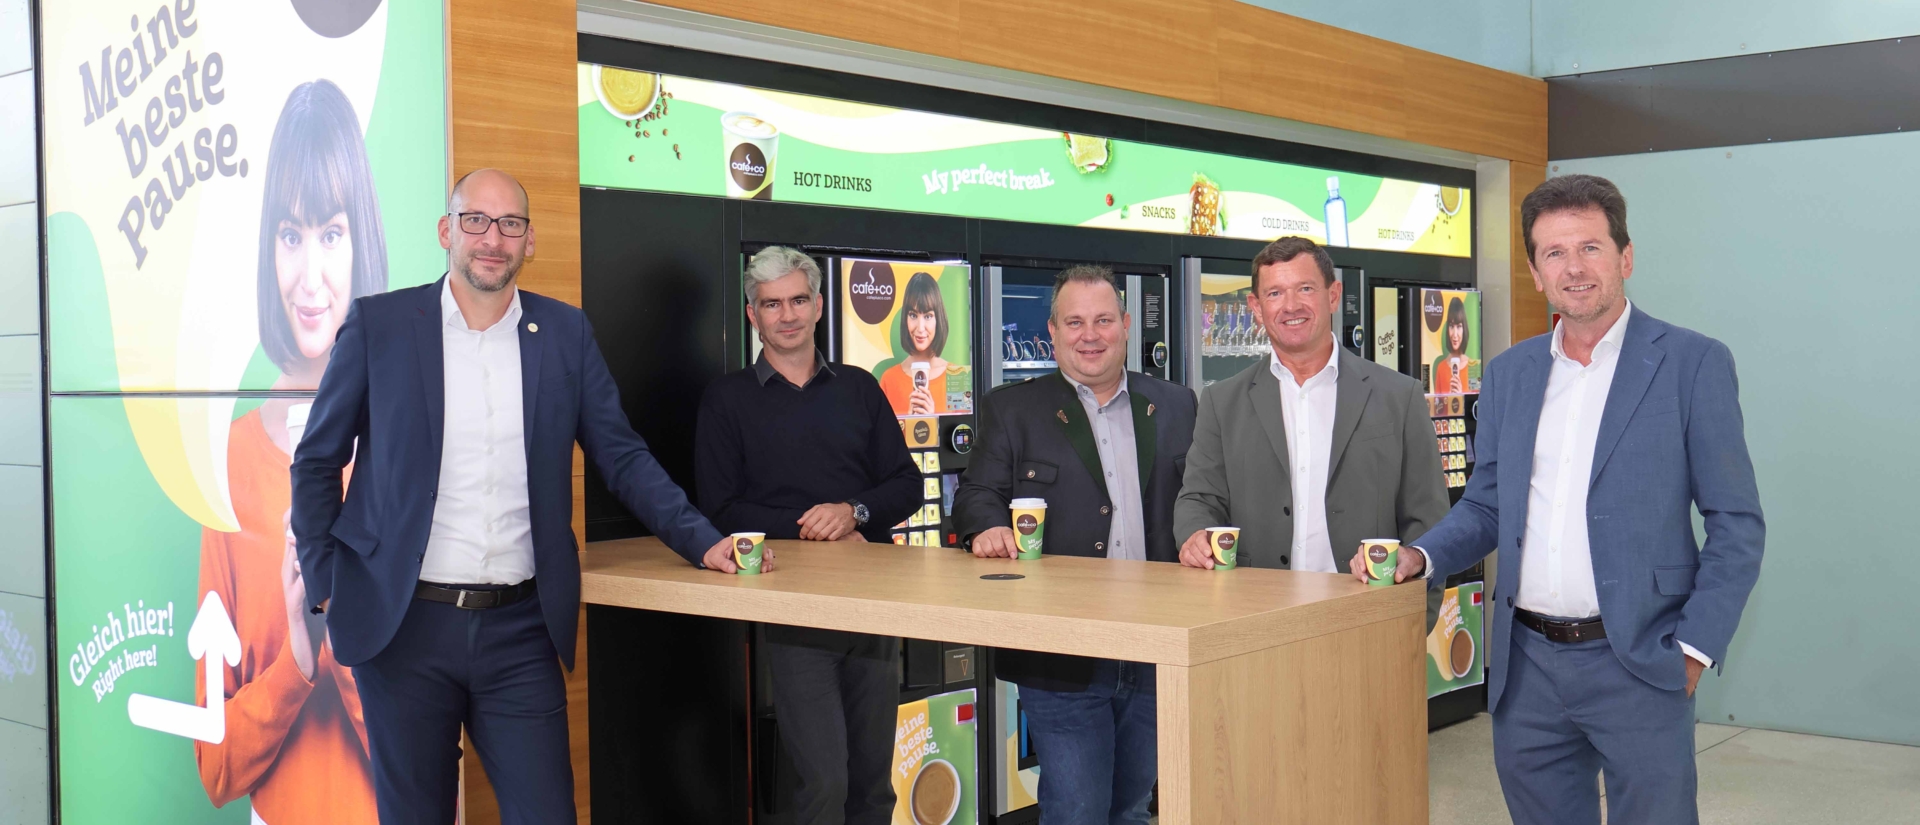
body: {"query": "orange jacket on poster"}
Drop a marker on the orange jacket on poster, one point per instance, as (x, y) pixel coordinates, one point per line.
(298, 747)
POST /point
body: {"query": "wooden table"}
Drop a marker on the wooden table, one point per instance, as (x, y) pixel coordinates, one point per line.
(1283, 696)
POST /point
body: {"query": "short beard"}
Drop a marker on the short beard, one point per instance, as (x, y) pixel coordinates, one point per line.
(466, 272)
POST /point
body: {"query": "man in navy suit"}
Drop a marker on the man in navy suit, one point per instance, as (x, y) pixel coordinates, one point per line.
(458, 405)
(1595, 444)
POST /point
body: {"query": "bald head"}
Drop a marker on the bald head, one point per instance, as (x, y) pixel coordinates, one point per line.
(487, 232)
(492, 182)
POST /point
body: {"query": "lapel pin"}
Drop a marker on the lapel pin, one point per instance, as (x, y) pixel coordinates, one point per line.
(533, 327)
(1149, 409)
(1062, 414)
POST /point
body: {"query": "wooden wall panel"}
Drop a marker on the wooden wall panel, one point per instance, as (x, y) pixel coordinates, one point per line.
(1219, 52)
(1530, 313)
(510, 97)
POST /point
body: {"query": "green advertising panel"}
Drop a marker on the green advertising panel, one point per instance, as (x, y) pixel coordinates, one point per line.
(223, 178)
(186, 155)
(1456, 656)
(640, 130)
(935, 772)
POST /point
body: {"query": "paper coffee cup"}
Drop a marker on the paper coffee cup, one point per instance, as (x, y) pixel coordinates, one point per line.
(748, 551)
(1383, 556)
(750, 145)
(1224, 543)
(1029, 525)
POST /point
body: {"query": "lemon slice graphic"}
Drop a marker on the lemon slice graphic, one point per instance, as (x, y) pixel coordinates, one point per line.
(1449, 199)
(1088, 153)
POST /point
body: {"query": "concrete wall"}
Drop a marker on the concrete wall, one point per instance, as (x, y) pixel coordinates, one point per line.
(1794, 255)
(23, 547)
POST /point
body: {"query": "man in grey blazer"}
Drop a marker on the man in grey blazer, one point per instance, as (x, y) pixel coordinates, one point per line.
(1596, 442)
(1313, 449)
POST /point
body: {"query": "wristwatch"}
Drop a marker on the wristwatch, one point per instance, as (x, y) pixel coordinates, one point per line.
(860, 513)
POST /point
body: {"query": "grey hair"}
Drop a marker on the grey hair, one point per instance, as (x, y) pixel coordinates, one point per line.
(776, 262)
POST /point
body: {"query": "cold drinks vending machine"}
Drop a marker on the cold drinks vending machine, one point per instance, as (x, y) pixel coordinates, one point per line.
(1225, 336)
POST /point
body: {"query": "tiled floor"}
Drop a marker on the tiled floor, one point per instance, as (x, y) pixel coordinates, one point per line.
(1749, 777)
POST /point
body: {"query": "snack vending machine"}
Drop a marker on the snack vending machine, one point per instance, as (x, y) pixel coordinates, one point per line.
(1020, 300)
(1433, 334)
(1225, 337)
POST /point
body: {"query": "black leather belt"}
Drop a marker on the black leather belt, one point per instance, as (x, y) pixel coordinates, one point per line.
(1584, 630)
(457, 596)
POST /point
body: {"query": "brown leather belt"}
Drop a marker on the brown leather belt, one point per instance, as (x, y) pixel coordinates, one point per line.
(457, 596)
(1584, 630)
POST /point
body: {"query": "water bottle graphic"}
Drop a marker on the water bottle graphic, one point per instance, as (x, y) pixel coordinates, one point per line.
(1336, 215)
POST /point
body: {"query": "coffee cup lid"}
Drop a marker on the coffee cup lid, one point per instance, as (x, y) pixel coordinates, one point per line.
(1029, 504)
(749, 535)
(1218, 529)
(1379, 541)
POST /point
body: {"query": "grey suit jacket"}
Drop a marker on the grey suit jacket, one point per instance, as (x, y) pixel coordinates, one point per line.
(1385, 481)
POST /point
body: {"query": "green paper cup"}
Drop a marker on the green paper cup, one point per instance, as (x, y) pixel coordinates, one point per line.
(1383, 556)
(748, 550)
(1224, 543)
(1029, 525)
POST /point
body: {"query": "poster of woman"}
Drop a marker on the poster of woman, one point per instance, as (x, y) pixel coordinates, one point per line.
(295, 740)
(1452, 340)
(908, 323)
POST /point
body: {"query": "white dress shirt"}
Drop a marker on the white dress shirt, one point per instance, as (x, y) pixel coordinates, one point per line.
(1556, 564)
(1308, 410)
(1112, 425)
(482, 529)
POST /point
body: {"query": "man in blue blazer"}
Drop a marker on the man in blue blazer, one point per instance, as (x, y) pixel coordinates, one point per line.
(458, 405)
(1595, 444)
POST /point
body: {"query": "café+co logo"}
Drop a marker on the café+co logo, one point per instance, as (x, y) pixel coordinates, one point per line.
(1377, 554)
(748, 165)
(870, 290)
(1226, 541)
(744, 546)
(1432, 310)
(1026, 524)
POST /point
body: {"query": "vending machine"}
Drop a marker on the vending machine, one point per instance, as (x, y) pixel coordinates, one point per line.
(1020, 300)
(1224, 335)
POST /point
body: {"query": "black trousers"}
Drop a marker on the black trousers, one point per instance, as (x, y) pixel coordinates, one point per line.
(494, 671)
(838, 698)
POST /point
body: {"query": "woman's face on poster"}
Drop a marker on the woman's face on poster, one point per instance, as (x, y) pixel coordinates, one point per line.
(921, 328)
(1457, 337)
(314, 262)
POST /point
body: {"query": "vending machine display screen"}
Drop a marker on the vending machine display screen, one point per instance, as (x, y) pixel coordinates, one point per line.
(909, 323)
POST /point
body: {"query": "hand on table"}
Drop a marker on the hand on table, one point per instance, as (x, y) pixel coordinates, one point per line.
(827, 522)
(719, 558)
(1412, 564)
(1194, 552)
(996, 543)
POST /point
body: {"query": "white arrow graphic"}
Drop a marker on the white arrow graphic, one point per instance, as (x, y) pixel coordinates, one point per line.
(211, 640)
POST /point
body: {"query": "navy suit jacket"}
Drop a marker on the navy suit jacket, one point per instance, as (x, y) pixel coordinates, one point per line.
(1671, 438)
(385, 389)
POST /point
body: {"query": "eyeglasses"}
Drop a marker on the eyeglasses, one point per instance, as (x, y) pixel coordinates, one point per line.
(476, 223)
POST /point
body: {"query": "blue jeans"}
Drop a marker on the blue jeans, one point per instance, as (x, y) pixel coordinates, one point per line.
(1097, 748)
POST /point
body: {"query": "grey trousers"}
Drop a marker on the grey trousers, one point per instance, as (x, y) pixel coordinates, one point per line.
(1571, 712)
(838, 699)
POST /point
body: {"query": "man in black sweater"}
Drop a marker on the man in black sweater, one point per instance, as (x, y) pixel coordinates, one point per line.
(798, 448)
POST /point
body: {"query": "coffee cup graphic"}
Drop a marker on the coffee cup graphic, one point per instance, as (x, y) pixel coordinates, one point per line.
(1223, 543)
(1460, 650)
(750, 144)
(1029, 526)
(934, 795)
(749, 550)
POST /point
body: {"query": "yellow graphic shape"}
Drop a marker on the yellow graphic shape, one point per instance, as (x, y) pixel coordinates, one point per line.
(184, 442)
